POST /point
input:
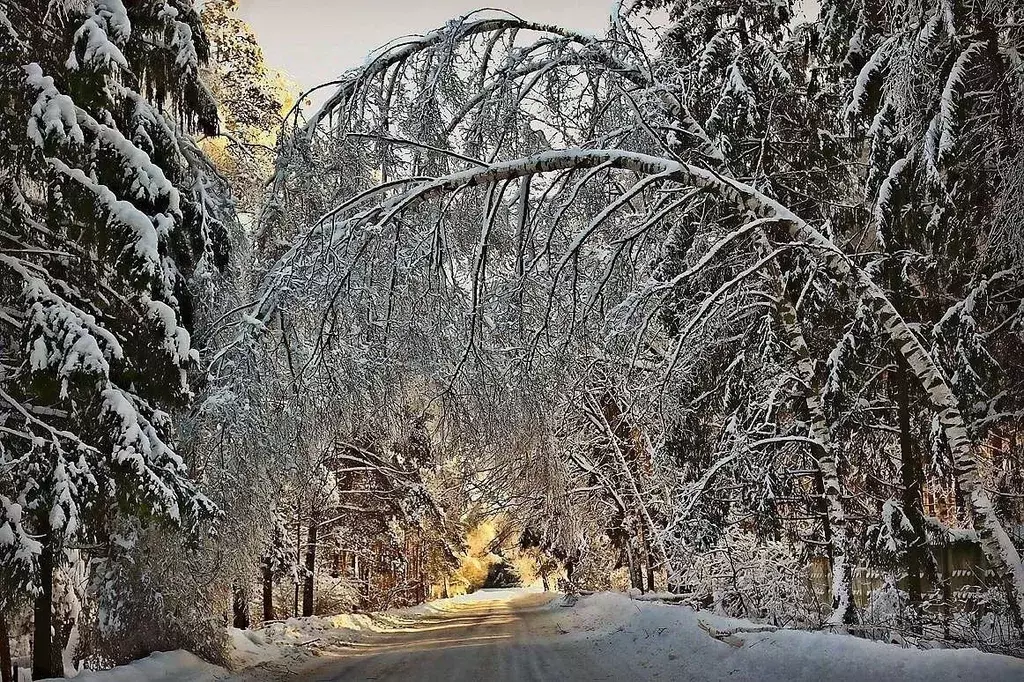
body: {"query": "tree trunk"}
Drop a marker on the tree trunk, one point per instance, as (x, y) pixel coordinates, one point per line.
(947, 589)
(634, 573)
(268, 593)
(646, 540)
(826, 529)
(6, 668)
(610, 412)
(824, 447)
(298, 557)
(307, 590)
(43, 658)
(821, 434)
(911, 477)
(240, 607)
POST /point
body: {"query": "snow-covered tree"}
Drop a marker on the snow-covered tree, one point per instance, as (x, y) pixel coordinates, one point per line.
(934, 99)
(252, 98)
(112, 224)
(678, 224)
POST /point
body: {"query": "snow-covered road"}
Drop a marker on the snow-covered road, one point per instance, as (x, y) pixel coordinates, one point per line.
(515, 636)
(522, 635)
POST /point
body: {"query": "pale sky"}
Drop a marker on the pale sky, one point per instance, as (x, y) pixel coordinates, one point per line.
(316, 40)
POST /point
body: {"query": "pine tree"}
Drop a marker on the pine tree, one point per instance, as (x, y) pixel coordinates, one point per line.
(252, 99)
(111, 221)
(935, 97)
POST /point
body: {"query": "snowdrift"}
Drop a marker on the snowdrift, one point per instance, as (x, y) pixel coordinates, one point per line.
(675, 642)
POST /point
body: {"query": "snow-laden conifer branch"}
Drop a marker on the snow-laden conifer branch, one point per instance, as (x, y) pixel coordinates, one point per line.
(460, 29)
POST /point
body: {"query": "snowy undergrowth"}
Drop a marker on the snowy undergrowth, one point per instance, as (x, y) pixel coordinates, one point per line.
(676, 642)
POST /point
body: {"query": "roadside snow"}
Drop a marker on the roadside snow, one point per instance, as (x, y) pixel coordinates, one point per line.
(289, 643)
(170, 666)
(675, 642)
(657, 640)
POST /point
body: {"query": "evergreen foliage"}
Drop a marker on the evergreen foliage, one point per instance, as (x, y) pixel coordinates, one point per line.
(112, 226)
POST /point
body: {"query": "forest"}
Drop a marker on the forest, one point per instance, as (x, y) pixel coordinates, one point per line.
(723, 306)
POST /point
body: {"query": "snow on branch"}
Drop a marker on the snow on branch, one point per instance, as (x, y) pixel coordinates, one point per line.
(458, 30)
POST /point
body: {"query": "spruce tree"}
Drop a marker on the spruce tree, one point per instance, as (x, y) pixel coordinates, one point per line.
(110, 222)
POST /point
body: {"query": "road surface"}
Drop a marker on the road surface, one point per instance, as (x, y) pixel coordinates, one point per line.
(515, 638)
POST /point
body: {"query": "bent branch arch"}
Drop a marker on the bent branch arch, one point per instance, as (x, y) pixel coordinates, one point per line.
(999, 550)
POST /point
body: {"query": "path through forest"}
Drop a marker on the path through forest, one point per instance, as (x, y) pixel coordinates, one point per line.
(515, 636)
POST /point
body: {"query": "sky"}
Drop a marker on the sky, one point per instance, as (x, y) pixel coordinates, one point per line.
(314, 41)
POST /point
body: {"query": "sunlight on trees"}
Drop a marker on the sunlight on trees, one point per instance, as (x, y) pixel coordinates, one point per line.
(726, 302)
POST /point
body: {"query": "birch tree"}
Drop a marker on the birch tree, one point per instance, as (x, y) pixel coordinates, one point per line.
(482, 209)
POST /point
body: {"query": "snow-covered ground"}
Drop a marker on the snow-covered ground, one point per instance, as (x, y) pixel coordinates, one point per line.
(179, 666)
(675, 642)
(605, 633)
(289, 643)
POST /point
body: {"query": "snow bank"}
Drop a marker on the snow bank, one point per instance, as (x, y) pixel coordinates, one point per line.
(287, 644)
(675, 642)
(170, 666)
(355, 627)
